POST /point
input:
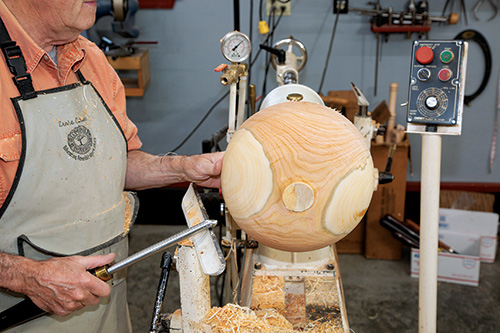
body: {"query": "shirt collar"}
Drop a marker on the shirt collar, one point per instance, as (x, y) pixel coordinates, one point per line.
(73, 51)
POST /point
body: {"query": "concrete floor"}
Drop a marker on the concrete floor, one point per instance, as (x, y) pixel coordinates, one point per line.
(380, 295)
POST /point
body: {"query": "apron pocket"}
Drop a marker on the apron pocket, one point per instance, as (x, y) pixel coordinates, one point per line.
(81, 237)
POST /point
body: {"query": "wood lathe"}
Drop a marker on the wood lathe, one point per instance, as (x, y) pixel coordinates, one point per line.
(297, 177)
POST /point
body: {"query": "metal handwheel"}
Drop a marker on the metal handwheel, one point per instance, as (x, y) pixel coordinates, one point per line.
(290, 43)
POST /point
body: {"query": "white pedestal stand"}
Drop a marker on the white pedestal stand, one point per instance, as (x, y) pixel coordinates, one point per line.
(429, 224)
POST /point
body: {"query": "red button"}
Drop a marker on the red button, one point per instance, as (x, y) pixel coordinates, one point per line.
(444, 74)
(424, 55)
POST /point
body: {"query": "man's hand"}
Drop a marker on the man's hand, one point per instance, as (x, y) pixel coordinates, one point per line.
(63, 285)
(205, 169)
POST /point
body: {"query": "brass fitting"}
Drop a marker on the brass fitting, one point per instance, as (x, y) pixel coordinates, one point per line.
(232, 73)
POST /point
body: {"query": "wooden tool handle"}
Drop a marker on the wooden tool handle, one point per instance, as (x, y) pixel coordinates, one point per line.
(393, 94)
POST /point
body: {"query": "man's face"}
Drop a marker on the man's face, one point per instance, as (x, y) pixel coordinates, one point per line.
(66, 16)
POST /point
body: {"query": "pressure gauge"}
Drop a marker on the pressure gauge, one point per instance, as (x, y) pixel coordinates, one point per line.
(236, 46)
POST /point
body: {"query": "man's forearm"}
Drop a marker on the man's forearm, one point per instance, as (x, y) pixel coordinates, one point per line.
(150, 171)
(11, 267)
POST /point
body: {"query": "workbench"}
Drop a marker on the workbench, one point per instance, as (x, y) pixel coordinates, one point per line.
(133, 71)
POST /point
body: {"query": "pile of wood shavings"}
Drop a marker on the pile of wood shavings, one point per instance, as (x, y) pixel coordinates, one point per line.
(238, 319)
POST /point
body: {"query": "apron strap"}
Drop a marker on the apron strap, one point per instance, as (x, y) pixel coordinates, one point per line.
(17, 64)
(80, 76)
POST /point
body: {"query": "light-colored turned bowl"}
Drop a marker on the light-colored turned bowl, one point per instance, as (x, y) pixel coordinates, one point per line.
(297, 176)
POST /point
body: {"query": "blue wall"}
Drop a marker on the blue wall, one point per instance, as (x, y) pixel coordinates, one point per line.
(184, 84)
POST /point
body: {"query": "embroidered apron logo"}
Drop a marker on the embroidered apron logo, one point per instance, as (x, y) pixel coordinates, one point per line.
(81, 144)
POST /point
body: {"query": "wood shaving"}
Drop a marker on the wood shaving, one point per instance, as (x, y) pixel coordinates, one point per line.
(128, 214)
(325, 327)
(186, 242)
(268, 292)
(238, 319)
(274, 319)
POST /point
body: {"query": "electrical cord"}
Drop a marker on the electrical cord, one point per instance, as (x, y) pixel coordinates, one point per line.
(329, 52)
(268, 58)
(201, 122)
(269, 35)
(268, 41)
(227, 93)
(475, 36)
(260, 10)
(249, 75)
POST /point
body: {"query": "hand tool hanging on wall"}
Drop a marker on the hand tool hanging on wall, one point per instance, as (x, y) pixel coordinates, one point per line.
(463, 10)
(480, 3)
(415, 19)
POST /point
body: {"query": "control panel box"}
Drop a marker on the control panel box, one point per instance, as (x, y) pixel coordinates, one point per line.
(437, 84)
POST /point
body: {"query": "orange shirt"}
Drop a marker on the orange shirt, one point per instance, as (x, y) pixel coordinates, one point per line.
(80, 54)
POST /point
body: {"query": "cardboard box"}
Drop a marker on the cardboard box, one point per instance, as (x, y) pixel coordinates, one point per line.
(481, 227)
(473, 235)
(453, 268)
(387, 199)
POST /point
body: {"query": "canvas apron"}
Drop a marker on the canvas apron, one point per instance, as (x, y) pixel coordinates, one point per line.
(67, 197)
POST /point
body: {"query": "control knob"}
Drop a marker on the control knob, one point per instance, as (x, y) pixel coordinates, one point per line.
(432, 102)
(424, 74)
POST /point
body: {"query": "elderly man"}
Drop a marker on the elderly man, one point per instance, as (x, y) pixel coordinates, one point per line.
(67, 151)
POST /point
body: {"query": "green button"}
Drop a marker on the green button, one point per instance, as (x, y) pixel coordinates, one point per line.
(446, 56)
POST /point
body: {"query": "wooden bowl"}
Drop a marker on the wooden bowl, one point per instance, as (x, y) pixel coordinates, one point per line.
(297, 176)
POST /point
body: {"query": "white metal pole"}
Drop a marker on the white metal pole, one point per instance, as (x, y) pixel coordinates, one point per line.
(240, 118)
(231, 122)
(429, 224)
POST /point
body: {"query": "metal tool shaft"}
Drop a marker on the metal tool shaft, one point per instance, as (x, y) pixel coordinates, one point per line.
(27, 310)
(160, 246)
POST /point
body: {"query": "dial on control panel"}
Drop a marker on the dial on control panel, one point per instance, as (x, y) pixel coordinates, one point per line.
(432, 102)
